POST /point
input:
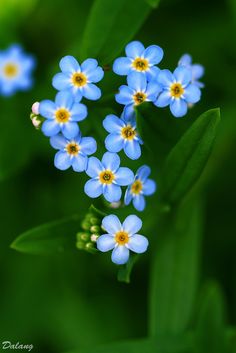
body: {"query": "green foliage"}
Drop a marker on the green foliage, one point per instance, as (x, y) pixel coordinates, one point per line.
(153, 3)
(125, 270)
(175, 271)
(105, 35)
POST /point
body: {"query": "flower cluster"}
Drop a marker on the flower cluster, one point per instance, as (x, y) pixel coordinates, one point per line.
(15, 70)
(145, 82)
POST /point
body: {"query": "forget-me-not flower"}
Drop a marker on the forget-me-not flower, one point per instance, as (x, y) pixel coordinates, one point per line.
(178, 91)
(73, 152)
(123, 135)
(139, 59)
(107, 177)
(139, 90)
(141, 187)
(196, 69)
(62, 115)
(79, 79)
(122, 238)
(15, 70)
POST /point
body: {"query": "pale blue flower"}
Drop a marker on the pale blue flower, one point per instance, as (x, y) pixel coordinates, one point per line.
(107, 177)
(196, 69)
(122, 238)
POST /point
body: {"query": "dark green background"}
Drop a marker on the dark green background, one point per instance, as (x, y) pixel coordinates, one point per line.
(69, 301)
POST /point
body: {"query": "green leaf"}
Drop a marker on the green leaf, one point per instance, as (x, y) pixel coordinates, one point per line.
(153, 3)
(124, 271)
(179, 344)
(211, 330)
(110, 26)
(188, 158)
(175, 268)
(49, 238)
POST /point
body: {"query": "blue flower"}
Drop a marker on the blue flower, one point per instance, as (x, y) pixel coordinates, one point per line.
(139, 59)
(79, 79)
(107, 177)
(122, 238)
(73, 152)
(142, 186)
(137, 92)
(196, 69)
(15, 70)
(123, 135)
(62, 115)
(178, 91)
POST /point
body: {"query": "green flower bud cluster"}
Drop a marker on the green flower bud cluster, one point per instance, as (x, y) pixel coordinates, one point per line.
(86, 239)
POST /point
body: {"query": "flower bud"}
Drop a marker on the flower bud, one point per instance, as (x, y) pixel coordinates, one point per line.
(35, 108)
(95, 229)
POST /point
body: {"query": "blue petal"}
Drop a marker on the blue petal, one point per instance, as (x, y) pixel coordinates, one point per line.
(58, 142)
(88, 145)
(120, 255)
(61, 81)
(112, 193)
(165, 78)
(153, 54)
(112, 123)
(111, 161)
(79, 163)
(69, 64)
(143, 173)
(64, 99)
(153, 73)
(183, 75)
(134, 49)
(91, 91)
(62, 160)
(149, 187)
(94, 167)
(50, 127)
(93, 188)
(70, 129)
(132, 149)
(128, 196)
(124, 176)
(96, 75)
(153, 89)
(122, 66)
(163, 99)
(129, 111)
(89, 65)
(78, 112)
(139, 202)
(137, 81)
(47, 109)
(178, 108)
(192, 93)
(197, 71)
(111, 224)
(125, 95)
(138, 243)
(105, 243)
(132, 224)
(114, 143)
(185, 60)
(76, 93)
(129, 119)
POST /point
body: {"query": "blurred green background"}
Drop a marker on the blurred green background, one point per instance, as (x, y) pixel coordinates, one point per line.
(73, 300)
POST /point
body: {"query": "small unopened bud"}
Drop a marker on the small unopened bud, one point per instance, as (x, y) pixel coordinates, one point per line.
(36, 122)
(35, 108)
(90, 248)
(80, 245)
(83, 236)
(95, 229)
(94, 238)
(94, 221)
(115, 204)
(85, 225)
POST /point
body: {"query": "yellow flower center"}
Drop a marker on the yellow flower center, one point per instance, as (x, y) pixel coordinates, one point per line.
(72, 148)
(136, 187)
(106, 177)
(10, 70)
(176, 90)
(122, 238)
(79, 79)
(140, 64)
(139, 98)
(62, 115)
(128, 132)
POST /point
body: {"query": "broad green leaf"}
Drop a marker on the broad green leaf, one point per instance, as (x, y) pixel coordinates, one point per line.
(211, 330)
(188, 158)
(175, 267)
(175, 344)
(110, 26)
(49, 238)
